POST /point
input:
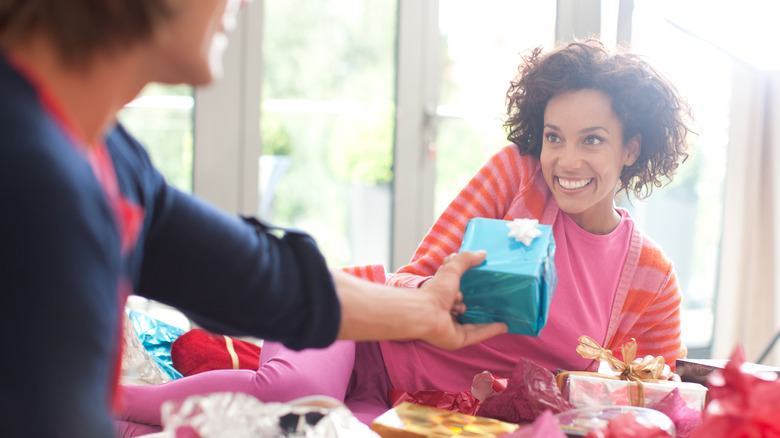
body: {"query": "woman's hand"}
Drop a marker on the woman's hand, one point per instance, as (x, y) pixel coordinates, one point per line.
(666, 373)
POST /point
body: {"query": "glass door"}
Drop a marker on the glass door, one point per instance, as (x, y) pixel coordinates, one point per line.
(481, 50)
(327, 123)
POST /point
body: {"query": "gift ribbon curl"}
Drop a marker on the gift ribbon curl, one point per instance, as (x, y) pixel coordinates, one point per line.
(647, 370)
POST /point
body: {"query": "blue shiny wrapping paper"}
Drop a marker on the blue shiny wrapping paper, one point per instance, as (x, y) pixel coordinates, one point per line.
(515, 283)
(156, 337)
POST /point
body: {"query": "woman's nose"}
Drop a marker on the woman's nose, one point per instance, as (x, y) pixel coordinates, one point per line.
(569, 158)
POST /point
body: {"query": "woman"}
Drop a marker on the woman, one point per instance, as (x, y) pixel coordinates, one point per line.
(585, 125)
(88, 219)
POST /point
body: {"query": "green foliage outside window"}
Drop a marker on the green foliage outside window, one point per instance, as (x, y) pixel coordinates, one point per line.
(165, 131)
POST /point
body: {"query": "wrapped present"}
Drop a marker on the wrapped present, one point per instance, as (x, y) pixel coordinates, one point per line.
(138, 366)
(593, 389)
(157, 338)
(199, 350)
(632, 383)
(515, 283)
(409, 420)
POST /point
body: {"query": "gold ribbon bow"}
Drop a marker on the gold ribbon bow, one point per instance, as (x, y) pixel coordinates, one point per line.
(649, 370)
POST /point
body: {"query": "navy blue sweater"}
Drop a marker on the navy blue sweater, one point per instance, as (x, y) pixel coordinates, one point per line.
(61, 267)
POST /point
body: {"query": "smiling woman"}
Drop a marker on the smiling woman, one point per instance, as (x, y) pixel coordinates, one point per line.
(586, 124)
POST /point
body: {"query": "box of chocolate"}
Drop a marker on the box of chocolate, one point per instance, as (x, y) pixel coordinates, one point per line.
(409, 420)
(516, 282)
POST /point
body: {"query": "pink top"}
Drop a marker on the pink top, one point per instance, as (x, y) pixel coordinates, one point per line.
(589, 268)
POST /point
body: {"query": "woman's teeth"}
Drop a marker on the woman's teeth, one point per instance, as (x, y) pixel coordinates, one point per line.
(571, 184)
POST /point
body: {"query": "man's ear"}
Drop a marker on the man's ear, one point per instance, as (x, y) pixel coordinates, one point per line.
(633, 149)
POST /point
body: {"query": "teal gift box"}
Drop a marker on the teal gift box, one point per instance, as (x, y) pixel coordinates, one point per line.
(515, 283)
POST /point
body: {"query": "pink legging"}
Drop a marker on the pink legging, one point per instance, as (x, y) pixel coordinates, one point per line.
(349, 371)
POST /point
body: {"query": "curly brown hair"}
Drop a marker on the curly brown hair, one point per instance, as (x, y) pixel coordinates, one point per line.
(644, 101)
(80, 28)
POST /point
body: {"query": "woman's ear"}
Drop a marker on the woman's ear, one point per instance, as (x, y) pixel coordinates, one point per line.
(633, 148)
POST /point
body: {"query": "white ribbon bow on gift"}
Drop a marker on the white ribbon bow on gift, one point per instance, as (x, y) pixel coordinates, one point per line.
(524, 230)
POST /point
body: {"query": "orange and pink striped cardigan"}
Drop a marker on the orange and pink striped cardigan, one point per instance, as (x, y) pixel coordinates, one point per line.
(510, 185)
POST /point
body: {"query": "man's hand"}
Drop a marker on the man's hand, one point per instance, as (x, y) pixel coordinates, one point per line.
(444, 290)
(371, 311)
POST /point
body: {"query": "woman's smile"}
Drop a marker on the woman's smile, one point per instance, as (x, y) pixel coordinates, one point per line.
(573, 184)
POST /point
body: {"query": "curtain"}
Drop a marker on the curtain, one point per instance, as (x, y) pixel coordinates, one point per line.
(747, 310)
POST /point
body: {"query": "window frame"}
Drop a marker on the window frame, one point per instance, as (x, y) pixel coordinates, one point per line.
(227, 123)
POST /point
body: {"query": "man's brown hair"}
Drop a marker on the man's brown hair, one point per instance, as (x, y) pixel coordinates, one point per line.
(81, 28)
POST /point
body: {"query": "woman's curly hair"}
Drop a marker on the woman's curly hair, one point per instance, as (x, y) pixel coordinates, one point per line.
(644, 101)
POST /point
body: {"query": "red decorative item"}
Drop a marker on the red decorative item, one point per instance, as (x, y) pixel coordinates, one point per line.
(485, 385)
(531, 390)
(198, 350)
(463, 402)
(685, 419)
(741, 404)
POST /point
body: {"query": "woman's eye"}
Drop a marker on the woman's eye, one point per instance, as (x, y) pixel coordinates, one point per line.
(593, 140)
(552, 138)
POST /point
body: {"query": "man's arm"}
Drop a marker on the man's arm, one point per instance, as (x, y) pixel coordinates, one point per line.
(372, 311)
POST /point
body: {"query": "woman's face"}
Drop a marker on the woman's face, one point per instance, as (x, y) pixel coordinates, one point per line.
(189, 46)
(583, 155)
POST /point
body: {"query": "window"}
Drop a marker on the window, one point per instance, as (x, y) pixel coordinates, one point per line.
(685, 217)
(161, 119)
(327, 123)
(481, 49)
